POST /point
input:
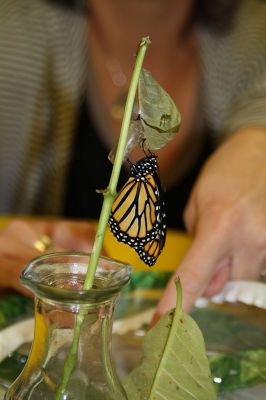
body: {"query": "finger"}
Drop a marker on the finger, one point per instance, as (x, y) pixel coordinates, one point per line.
(249, 261)
(25, 232)
(12, 248)
(74, 236)
(219, 279)
(195, 272)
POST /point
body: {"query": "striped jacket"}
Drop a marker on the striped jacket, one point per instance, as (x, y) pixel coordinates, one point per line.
(43, 64)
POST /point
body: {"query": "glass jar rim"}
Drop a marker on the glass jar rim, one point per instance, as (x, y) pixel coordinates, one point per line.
(38, 271)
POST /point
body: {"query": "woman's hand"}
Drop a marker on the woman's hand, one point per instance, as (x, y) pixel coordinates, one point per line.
(226, 216)
(18, 240)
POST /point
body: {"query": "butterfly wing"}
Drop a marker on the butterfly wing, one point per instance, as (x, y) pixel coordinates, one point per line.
(138, 213)
(133, 216)
(150, 251)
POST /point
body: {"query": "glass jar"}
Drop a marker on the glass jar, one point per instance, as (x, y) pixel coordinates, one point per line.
(60, 301)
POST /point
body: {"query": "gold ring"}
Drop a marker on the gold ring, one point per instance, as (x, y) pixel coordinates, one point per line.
(42, 244)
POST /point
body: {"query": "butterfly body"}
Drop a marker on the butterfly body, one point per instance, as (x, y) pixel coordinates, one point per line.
(138, 213)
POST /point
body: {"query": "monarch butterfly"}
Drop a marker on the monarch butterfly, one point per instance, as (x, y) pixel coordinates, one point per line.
(138, 213)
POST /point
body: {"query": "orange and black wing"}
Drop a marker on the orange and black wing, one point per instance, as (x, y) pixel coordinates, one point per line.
(134, 212)
(138, 213)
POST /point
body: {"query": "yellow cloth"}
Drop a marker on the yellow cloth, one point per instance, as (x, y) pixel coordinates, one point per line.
(176, 245)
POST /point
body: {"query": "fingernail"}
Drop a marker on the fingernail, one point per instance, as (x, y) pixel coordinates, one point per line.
(155, 318)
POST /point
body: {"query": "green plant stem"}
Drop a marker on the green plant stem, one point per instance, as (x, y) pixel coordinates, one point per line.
(109, 197)
(110, 193)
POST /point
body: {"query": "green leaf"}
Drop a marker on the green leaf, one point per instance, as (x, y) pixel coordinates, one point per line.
(239, 370)
(174, 365)
(158, 113)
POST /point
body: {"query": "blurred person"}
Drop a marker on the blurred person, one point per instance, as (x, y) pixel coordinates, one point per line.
(65, 68)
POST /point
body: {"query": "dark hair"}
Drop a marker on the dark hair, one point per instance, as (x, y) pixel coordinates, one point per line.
(216, 15)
